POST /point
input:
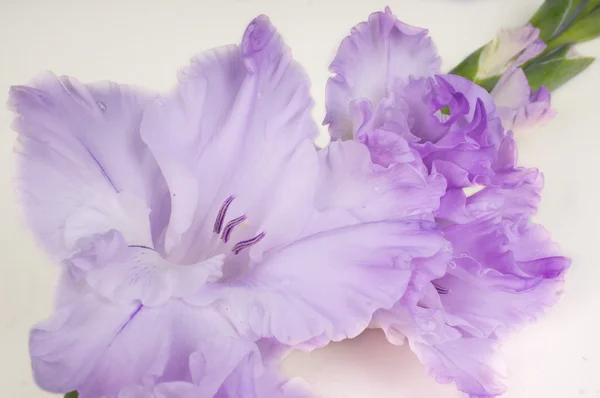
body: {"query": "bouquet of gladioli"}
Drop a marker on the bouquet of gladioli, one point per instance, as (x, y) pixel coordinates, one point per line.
(202, 235)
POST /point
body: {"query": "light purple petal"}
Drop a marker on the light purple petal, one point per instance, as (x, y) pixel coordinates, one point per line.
(376, 55)
(370, 192)
(509, 273)
(518, 107)
(448, 354)
(79, 144)
(506, 271)
(238, 124)
(254, 379)
(510, 48)
(319, 288)
(513, 193)
(247, 380)
(472, 93)
(175, 389)
(469, 362)
(96, 347)
(462, 145)
(140, 274)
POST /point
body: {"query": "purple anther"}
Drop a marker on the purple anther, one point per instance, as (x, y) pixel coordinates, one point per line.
(221, 215)
(230, 226)
(441, 290)
(247, 243)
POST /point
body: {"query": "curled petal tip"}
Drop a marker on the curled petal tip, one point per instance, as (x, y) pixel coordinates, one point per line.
(20, 93)
(258, 34)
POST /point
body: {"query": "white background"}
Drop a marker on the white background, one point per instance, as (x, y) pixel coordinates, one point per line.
(144, 42)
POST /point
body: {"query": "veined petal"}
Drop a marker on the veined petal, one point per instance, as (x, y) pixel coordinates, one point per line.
(237, 125)
(320, 287)
(448, 353)
(79, 143)
(462, 145)
(370, 192)
(507, 271)
(256, 375)
(121, 212)
(377, 54)
(253, 379)
(511, 194)
(100, 348)
(141, 274)
(473, 364)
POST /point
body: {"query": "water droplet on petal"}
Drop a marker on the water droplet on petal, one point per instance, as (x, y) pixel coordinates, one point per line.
(101, 105)
(377, 188)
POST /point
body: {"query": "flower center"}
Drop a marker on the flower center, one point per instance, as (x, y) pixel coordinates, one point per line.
(226, 231)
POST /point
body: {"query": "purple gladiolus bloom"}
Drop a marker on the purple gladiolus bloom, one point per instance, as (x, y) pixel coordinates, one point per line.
(505, 270)
(192, 225)
(447, 120)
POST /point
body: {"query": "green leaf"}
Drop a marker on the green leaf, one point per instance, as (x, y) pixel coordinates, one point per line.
(558, 52)
(72, 394)
(589, 7)
(556, 68)
(555, 16)
(469, 66)
(585, 29)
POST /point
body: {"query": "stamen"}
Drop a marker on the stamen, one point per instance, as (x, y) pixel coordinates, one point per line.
(141, 247)
(247, 243)
(441, 290)
(221, 215)
(230, 226)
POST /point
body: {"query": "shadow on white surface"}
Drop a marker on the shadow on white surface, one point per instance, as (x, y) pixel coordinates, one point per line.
(367, 366)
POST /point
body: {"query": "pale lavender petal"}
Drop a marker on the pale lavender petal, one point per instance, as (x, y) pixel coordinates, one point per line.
(512, 90)
(511, 194)
(519, 108)
(385, 129)
(511, 47)
(140, 274)
(99, 348)
(175, 389)
(472, 93)
(319, 288)
(248, 380)
(506, 271)
(509, 273)
(376, 55)
(79, 143)
(370, 192)
(448, 353)
(471, 363)
(238, 124)
(462, 145)
(254, 379)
